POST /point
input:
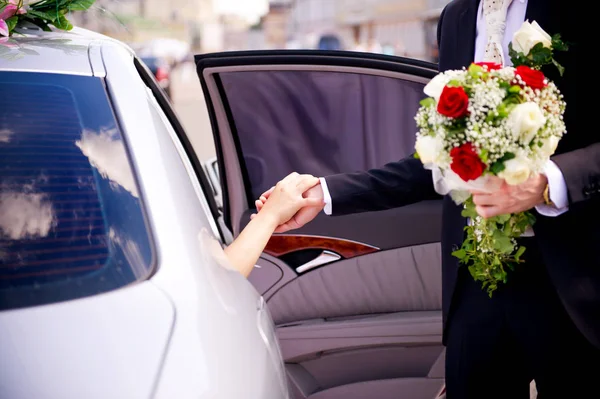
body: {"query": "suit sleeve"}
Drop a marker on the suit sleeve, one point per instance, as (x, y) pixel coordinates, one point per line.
(581, 170)
(395, 184)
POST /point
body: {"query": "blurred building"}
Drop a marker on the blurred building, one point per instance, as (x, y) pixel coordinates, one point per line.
(400, 27)
(276, 24)
(313, 19)
(236, 32)
(193, 21)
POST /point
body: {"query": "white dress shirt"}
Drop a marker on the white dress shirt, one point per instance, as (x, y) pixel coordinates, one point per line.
(556, 182)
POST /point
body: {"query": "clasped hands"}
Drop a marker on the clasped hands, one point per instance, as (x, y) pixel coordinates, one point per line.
(505, 200)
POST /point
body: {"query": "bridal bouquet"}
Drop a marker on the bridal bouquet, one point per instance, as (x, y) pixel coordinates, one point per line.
(41, 13)
(487, 125)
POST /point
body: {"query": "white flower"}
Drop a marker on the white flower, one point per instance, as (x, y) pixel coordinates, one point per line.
(436, 85)
(525, 120)
(549, 146)
(429, 149)
(516, 171)
(528, 36)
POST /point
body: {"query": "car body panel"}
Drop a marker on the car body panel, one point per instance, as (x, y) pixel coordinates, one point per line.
(214, 303)
(106, 346)
(344, 291)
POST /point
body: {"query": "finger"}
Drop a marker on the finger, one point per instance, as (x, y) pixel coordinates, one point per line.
(252, 216)
(485, 199)
(487, 212)
(268, 192)
(313, 202)
(306, 183)
(283, 228)
(263, 198)
(258, 204)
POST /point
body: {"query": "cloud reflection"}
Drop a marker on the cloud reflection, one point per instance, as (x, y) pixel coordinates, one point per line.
(5, 135)
(25, 215)
(132, 253)
(107, 153)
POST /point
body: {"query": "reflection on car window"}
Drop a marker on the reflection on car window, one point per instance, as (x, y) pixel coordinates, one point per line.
(71, 220)
(319, 122)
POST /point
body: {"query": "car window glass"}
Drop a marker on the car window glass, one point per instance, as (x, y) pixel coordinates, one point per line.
(319, 122)
(72, 222)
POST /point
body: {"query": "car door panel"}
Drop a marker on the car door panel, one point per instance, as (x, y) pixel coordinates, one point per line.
(356, 299)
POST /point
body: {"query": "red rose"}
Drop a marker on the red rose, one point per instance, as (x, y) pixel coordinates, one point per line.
(453, 102)
(466, 162)
(491, 66)
(531, 77)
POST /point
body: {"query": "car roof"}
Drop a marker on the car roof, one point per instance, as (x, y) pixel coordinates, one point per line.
(74, 52)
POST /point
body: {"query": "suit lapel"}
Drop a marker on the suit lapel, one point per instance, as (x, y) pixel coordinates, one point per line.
(540, 11)
(467, 30)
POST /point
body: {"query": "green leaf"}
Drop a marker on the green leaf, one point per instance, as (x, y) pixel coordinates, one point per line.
(502, 243)
(502, 219)
(63, 23)
(498, 166)
(540, 55)
(514, 89)
(80, 5)
(12, 22)
(46, 16)
(460, 254)
(561, 69)
(427, 102)
(558, 44)
(520, 253)
(416, 155)
(484, 155)
(454, 83)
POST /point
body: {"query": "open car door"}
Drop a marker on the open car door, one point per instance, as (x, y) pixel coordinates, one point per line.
(356, 299)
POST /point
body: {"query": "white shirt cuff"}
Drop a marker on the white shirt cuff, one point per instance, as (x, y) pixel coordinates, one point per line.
(326, 196)
(557, 190)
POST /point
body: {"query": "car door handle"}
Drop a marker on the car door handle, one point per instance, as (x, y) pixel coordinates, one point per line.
(324, 258)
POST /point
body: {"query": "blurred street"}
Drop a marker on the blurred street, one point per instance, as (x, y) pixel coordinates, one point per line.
(188, 100)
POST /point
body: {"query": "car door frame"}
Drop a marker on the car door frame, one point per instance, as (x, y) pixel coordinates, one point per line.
(207, 64)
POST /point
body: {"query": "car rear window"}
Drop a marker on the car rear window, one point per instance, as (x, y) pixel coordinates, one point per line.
(71, 219)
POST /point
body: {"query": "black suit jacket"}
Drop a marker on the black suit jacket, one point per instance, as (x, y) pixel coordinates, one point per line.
(570, 243)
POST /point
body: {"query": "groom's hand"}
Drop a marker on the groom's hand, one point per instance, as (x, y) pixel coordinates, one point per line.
(303, 216)
(511, 199)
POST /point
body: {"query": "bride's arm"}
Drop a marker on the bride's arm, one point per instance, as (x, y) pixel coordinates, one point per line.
(245, 250)
(283, 203)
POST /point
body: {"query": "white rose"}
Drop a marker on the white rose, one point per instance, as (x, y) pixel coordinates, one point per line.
(528, 36)
(525, 120)
(436, 85)
(516, 171)
(429, 149)
(549, 145)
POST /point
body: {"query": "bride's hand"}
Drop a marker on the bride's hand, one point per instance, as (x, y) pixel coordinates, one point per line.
(286, 199)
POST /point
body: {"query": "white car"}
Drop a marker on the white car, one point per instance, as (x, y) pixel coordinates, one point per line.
(112, 283)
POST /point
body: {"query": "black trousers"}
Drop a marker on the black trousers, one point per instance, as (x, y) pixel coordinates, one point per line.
(497, 345)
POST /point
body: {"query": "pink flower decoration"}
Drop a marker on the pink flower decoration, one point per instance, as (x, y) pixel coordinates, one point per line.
(21, 10)
(9, 10)
(3, 28)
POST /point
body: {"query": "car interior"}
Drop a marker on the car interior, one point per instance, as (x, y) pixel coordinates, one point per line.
(356, 299)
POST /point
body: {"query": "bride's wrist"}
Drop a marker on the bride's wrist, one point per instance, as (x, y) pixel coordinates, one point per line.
(267, 218)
